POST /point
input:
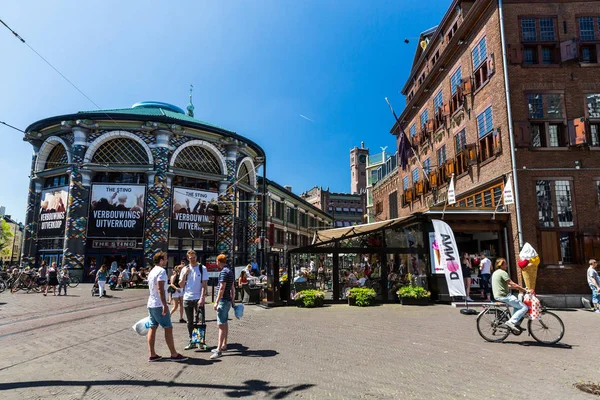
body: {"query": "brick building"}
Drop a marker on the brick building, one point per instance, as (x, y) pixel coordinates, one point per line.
(11, 253)
(499, 90)
(345, 209)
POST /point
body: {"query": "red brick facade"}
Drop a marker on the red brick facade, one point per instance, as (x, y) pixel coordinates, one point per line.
(564, 175)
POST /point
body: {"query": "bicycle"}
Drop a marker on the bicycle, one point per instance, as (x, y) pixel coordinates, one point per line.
(73, 281)
(547, 329)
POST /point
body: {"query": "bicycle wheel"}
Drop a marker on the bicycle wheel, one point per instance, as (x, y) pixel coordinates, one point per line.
(2, 286)
(73, 281)
(548, 329)
(16, 286)
(488, 325)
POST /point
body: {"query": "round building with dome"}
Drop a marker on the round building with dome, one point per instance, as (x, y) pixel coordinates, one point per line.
(120, 185)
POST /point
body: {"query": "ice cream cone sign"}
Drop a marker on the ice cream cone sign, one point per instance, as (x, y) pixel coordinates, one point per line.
(436, 250)
(529, 262)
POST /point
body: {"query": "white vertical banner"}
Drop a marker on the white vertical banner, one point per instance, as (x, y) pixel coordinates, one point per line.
(508, 196)
(448, 257)
(451, 193)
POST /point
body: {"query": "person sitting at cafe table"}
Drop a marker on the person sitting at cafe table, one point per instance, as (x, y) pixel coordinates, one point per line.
(263, 276)
(301, 277)
(249, 271)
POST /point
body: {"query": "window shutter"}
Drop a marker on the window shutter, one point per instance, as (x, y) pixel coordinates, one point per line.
(515, 55)
(497, 141)
(577, 132)
(403, 200)
(466, 86)
(408, 194)
(568, 50)
(429, 126)
(449, 169)
(491, 65)
(522, 134)
(419, 188)
(472, 154)
(550, 249)
(433, 179)
(446, 109)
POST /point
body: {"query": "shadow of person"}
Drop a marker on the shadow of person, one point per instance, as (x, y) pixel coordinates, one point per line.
(254, 386)
(251, 353)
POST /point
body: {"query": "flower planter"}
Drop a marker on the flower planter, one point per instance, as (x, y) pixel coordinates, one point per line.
(411, 301)
(351, 301)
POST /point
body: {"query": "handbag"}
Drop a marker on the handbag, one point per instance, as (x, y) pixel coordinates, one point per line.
(199, 331)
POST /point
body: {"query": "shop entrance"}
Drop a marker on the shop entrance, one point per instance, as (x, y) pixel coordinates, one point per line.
(122, 257)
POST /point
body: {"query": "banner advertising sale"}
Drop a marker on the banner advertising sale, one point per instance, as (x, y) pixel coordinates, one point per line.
(53, 212)
(117, 211)
(193, 212)
(446, 254)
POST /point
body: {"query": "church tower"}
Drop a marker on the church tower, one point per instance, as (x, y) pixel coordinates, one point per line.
(358, 168)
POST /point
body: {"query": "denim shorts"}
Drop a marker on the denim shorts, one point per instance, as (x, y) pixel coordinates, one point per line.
(595, 294)
(223, 311)
(156, 317)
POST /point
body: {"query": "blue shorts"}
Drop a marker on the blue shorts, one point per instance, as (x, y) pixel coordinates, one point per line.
(595, 294)
(223, 311)
(156, 317)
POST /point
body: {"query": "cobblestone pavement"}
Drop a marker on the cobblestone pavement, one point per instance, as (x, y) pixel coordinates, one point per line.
(79, 347)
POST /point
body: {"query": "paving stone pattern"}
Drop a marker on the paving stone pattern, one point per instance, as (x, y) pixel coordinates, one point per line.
(79, 347)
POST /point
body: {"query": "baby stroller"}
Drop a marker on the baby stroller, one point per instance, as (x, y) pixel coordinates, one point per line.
(95, 290)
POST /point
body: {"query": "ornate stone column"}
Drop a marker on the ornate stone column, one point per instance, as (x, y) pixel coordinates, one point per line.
(226, 196)
(77, 205)
(252, 227)
(158, 202)
(29, 248)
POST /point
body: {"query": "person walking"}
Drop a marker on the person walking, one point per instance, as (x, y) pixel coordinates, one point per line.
(64, 280)
(158, 310)
(223, 303)
(485, 266)
(594, 282)
(52, 279)
(176, 294)
(193, 279)
(101, 279)
(42, 275)
(465, 264)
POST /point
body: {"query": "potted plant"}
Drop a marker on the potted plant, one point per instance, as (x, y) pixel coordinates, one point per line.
(412, 295)
(361, 297)
(310, 298)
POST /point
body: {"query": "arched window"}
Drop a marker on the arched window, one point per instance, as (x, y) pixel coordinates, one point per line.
(198, 159)
(244, 175)
(57, 157)
(121, 151)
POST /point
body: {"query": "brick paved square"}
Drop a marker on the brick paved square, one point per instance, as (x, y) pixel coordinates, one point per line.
(84, 348)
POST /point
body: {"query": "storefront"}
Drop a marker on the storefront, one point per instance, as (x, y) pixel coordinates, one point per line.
(383, 254)
(120, 185)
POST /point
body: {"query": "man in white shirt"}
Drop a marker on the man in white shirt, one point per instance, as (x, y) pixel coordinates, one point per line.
(485, 266)
(594, 282)
(158, 310)
(313, 268)
(193, 279)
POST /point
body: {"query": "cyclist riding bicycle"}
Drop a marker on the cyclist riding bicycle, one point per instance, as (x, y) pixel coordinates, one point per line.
(501, 285)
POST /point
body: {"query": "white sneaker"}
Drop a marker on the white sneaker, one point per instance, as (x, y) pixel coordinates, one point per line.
(596, 310)
(216, 355)
(469, 298)
(510, 325)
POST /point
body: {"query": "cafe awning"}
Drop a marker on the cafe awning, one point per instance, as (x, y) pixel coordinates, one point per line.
(342, 233)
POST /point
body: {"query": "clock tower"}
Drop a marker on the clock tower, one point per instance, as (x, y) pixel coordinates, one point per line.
(358, 168)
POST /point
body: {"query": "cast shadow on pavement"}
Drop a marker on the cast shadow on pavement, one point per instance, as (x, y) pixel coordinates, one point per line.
(249, 388)
(531, 343)
(239, 350)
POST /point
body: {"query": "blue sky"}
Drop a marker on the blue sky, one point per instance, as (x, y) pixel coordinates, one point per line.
(256, 67)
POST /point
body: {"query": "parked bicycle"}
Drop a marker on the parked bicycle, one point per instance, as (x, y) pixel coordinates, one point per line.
(547, 329)
(73, 281)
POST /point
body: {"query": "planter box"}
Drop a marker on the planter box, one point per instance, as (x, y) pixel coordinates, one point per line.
(318, 303)
(410, 301)
(351, 301)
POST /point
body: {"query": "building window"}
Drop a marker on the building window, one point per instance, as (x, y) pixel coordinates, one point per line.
(438, 101)
(530, 55)
(484, 122)
(393, 205)
(479, 53)
(441, 155)
(535, 104)
(427, 165)
(528, 30)
(405, 182)
(547, 55)
(593, 105)
(547, 30)
(424, 118)
(586, 28)
(546, 114)
(455, 81)
(378, 207)
(413, 130)
(415, 175)
(122, 151)
(553, 195)
(460, 141)
(56, 181)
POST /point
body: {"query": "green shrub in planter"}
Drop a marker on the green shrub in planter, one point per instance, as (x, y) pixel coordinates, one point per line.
(361, 297)
(413, 292)
(310, 298)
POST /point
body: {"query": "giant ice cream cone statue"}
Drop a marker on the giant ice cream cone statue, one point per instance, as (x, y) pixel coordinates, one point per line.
(530, 270)
(436, 251)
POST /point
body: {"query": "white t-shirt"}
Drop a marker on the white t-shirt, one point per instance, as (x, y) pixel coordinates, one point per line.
(486, 266)
(312, 266)
(592, 275)
(193, 289)
(158, 274)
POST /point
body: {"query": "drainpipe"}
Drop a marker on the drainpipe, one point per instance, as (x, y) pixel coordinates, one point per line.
(510, 125)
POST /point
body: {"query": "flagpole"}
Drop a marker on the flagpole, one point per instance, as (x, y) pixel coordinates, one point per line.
(411, 147)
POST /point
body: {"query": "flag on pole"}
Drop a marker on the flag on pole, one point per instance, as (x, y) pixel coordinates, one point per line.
(447, 256)
(508, 193)
(451, 193)
(404, 150)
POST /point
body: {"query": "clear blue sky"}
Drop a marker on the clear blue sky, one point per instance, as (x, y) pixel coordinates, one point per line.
(256, 67)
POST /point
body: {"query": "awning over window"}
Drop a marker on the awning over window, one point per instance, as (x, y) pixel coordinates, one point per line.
(340, 233)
